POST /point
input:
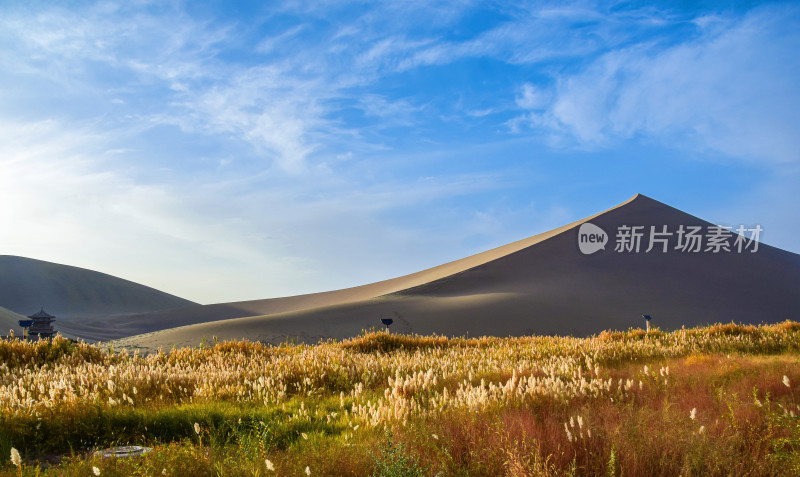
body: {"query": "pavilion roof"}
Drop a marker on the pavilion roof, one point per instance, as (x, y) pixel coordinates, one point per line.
(41, 314)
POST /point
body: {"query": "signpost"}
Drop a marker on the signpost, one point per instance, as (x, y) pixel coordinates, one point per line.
(647, 319)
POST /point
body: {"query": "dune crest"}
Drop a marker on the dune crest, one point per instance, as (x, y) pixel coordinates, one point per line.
(27, 284)
(10, 321)
(542, 284)
(139, 323)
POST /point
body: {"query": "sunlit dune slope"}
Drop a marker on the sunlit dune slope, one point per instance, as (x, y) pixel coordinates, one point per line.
(542, 284)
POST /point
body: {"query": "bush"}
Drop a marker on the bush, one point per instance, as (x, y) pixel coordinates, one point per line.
(394, 461)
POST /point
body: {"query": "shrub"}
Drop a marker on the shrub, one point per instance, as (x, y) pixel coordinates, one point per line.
(393, 460)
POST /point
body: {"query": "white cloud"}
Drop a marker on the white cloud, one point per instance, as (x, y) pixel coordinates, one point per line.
(170, 160)
(214, 230)
(535, 34)
(531, 97)
(272, 44)
(732, 90)
(63, 203)
(274, 114)
(67, 201)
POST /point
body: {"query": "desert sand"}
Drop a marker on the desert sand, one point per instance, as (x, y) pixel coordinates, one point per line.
(70, 292)
(10, 321)
(132, 324)
(539, 285)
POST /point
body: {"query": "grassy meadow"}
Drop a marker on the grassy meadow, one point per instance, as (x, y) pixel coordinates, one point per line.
(721, 400)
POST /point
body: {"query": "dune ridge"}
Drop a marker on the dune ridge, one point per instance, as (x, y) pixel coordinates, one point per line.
(10, 321)
(27, 284)
(132, 324)
(539, 285)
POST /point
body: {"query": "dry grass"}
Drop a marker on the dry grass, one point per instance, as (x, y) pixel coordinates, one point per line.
(619, 403)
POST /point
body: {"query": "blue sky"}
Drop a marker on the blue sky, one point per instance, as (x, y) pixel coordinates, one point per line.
(227, 151)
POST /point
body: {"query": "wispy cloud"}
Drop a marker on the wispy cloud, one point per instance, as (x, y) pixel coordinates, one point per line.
(228, 157)
(68, 203)
(730, 90)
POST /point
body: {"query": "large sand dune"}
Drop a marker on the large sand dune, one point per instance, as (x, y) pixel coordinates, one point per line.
(10, 321)
(132, 324)
(69, 292)
(542, 284)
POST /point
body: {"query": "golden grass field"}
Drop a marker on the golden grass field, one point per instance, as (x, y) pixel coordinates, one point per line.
(719, 400)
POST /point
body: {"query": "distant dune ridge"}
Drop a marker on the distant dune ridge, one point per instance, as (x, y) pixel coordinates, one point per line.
(542, 284)
(9, 321)
(69, 292)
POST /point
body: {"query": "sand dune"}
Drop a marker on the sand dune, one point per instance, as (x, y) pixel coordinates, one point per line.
(65, 291)
(10, 321)
(542, 284)
(132, 324)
